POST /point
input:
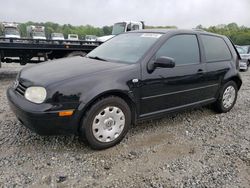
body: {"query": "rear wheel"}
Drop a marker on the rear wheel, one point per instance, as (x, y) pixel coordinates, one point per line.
(106, 122)
(227, 97)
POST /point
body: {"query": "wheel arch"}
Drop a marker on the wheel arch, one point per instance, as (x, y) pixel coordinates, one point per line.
(237, 80)
(117, 93)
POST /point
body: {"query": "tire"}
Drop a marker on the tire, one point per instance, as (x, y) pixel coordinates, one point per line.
(76, 53)
(106, 122)
(226, 102)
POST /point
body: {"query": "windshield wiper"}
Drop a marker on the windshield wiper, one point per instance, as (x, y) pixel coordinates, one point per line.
(97, 58)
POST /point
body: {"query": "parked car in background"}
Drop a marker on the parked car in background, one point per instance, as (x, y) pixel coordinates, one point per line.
(57, 36)
(245, 58)
(134, 76)
(247, 48)
(73, 37)
(90, 38)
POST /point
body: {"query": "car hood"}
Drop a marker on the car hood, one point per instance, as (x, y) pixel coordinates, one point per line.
(52, 72)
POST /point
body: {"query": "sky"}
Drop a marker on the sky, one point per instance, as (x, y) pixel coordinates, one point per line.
(180, 13)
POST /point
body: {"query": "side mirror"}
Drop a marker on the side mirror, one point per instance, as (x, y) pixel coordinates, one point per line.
(164, 62)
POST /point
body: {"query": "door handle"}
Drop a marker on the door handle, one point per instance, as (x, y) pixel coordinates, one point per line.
(200, 71)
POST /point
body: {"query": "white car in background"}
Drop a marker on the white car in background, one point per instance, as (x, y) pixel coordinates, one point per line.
(245, 58)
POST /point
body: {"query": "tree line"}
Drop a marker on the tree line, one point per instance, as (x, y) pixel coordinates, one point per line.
(238, 34)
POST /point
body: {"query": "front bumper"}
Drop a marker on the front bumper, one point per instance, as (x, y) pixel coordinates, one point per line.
(39, 118)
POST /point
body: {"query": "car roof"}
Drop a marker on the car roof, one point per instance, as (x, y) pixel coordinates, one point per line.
(175, 31)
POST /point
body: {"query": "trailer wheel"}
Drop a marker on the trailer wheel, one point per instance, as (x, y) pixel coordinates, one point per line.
(23, 61)
(76, 53)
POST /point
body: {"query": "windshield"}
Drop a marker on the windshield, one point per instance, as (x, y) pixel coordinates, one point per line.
(125, 48)
(11, 31)
(57, 35)
(38, 34)
(241, 50)
(118, 28)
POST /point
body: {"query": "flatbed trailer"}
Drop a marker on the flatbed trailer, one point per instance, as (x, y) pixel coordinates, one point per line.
(25, 51)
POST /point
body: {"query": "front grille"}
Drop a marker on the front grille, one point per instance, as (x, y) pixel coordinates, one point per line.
(20, 89)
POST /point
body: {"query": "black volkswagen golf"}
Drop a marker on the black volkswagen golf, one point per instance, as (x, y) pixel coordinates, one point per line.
(134, 76)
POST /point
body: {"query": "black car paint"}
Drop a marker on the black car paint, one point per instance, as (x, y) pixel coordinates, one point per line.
(75, 83)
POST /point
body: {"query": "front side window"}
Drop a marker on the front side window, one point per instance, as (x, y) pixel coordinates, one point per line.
(215, 48)
(184, 49)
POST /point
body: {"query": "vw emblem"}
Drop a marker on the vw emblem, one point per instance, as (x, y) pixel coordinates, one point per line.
(15, 84)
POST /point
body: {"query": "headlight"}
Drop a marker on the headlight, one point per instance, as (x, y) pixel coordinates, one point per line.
(36, 94)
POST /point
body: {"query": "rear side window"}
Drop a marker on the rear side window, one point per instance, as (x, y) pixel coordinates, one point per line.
(183, 48)
(216, 49)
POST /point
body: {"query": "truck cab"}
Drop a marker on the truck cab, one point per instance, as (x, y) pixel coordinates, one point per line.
(122, 27)
(36, 32)
(10, 30)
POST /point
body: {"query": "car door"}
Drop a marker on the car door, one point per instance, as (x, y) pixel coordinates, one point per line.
(167, 89)
(218, 60)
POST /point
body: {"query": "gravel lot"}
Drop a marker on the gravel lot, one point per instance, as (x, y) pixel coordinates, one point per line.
(195, 148)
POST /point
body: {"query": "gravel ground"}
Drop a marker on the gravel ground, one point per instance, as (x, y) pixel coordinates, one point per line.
(195, 148)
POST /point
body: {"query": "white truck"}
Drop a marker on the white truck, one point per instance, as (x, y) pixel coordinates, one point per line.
(36, 32)
(9, 30)
(122, 27)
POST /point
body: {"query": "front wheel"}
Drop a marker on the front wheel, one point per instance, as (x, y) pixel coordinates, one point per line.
(227, 97)
(106, 122)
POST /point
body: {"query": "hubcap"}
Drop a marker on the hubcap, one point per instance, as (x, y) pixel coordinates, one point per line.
(108, 124)
(228, 97)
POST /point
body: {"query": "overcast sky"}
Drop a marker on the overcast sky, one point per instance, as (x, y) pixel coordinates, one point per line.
(181, 13)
